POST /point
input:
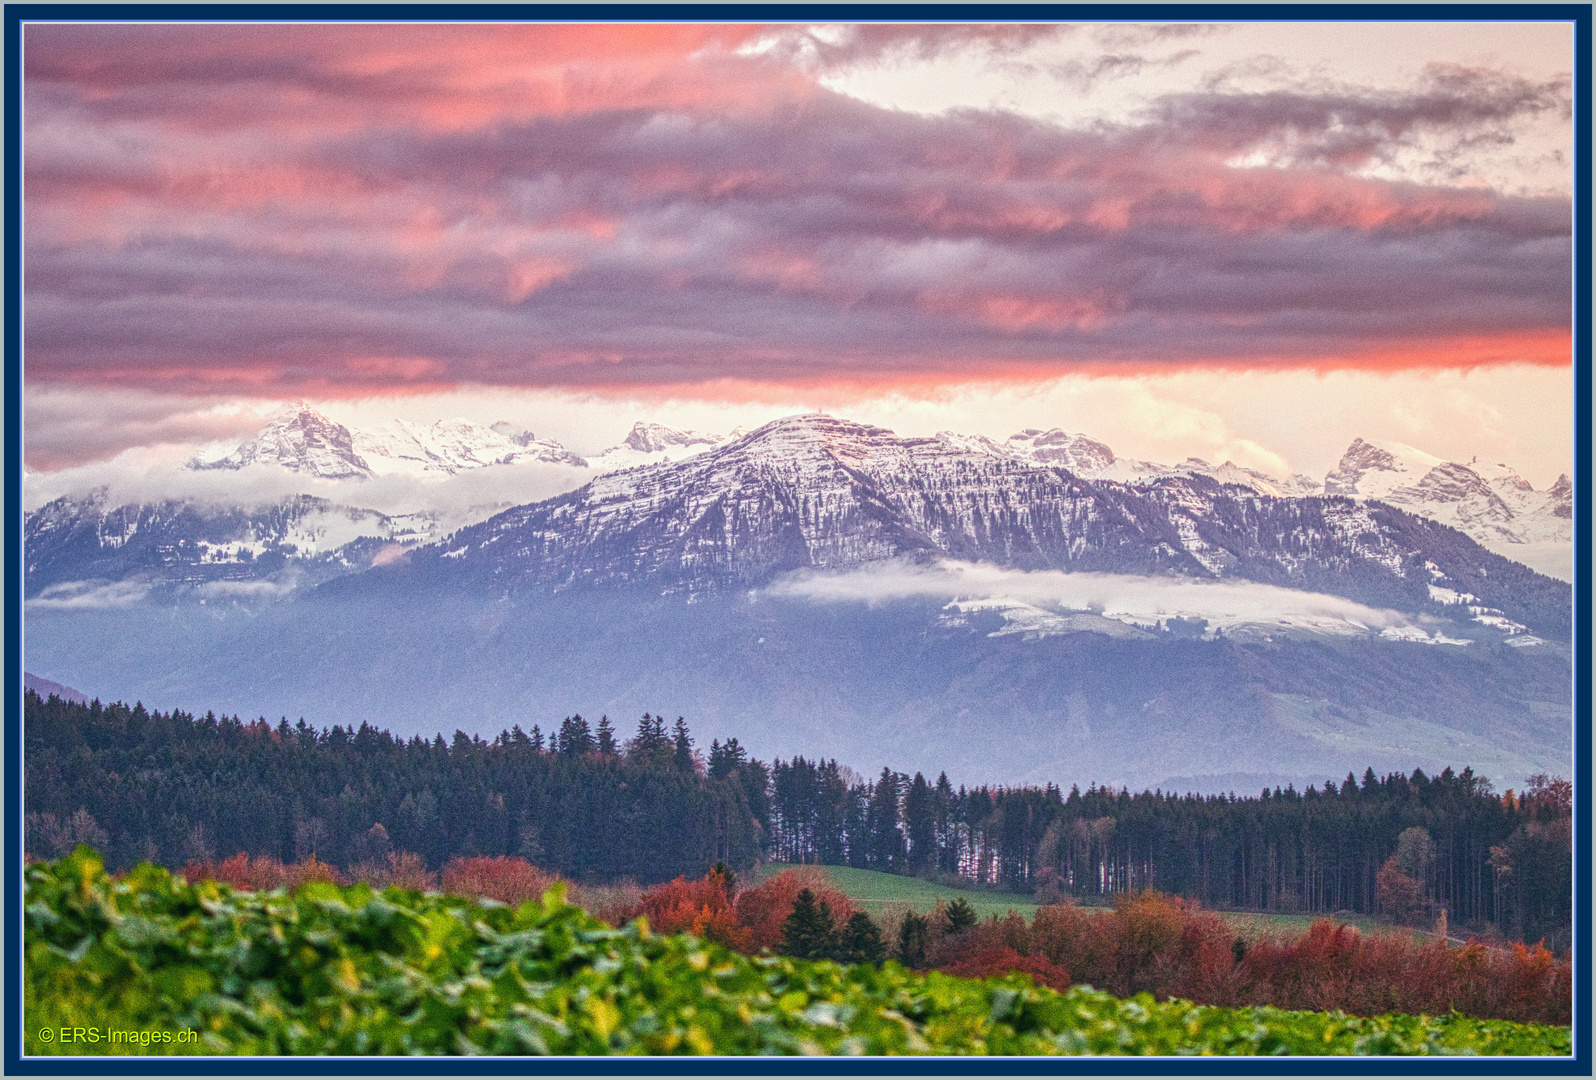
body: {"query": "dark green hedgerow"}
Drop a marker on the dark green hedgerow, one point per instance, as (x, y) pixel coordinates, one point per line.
(332, 970)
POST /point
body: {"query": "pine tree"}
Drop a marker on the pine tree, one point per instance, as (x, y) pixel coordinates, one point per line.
(650, 746)
(606, 738)
(726, 759)
(912, 941)
(885, 836)
(861, 941)
(809, 933)
(920, 819)
(576, 738)
(961, 916)
(682, 755)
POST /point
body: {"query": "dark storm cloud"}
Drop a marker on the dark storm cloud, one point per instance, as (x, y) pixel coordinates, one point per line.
(654, 223)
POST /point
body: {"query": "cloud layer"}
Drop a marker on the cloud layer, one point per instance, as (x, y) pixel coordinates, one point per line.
(357, 209)
(1053, 602)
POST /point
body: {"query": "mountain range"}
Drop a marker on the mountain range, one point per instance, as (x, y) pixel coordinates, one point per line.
(1020, 610)
(1490, 502)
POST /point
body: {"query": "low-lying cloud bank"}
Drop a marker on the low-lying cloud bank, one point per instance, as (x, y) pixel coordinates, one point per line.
(1055, 602)
(458, 499)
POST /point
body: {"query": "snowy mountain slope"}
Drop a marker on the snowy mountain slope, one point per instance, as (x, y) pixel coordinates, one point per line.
(1093, 460)
(302, 440)
(819, 493)
(402, 447)
(1491, 503)
(71, 545)
(649, 444)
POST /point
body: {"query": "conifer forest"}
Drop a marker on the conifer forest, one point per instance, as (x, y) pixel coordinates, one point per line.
(595, 803)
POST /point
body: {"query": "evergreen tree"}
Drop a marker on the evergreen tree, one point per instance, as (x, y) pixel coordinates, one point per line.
(682, 749)
(885, 835)
(920, 819)
(606, 738)
(912, 940)
(728, 878)
(861, 941)
(650, 746)
(726, 759)
(576, 738)
(961, 916)
(809, 933)
(949, 854)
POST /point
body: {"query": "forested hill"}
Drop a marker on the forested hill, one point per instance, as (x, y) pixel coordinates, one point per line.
(590, 804)
(170, 787)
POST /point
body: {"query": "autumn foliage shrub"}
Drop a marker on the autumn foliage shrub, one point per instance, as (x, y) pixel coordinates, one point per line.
(405, 869)
(994, 960)
(763, 909)
(1171, 948)
(702, 908)
(504, 878)
(1335, 967)
(262, 872)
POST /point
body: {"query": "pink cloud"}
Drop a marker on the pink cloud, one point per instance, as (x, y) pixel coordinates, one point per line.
(347, 209)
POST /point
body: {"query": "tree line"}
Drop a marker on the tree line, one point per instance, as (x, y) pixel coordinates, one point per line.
(1407, 846)
(588, 803)
(174, 788)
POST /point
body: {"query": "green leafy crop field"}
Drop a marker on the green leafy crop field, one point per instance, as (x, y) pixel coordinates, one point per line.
(331, 970)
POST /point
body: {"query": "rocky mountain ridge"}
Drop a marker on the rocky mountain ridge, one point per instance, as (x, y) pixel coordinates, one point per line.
(1490, 502)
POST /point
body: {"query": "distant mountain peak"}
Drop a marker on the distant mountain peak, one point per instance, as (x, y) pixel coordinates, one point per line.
(1492, 503)
(649, 443)
(1055, 446)
(647, 437)
(302, 440)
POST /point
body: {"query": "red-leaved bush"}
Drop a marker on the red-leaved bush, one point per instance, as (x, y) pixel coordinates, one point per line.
(992, 960)
(1335, 967)
(702, 908)
(1172, 948)
(261, 872)
(762, 909)
(504, 878)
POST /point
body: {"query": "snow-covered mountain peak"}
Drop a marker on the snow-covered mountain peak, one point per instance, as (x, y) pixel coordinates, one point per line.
(1081, 455)
(518, 435)
(302, 440)
(1490, 502)
(648, 438)
(449, 447)
(1371, 469)
(649, 443)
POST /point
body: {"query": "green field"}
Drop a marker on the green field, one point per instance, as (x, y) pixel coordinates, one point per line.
(1252, 924)
(875, 891)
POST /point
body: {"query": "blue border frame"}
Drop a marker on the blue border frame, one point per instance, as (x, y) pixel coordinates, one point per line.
(1581, 18)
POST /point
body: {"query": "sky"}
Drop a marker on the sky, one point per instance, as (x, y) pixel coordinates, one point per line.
(1250, 242)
